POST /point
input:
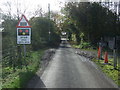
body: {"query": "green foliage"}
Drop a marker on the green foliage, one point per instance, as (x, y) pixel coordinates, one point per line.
(91, 19)
(17, 70)
(73, 37)
(84, 45)
(9, 33)
(108, 69)
(21, 76)
(40, 32)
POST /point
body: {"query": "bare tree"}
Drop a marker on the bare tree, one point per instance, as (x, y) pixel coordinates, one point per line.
(38, 11)
(8, 5)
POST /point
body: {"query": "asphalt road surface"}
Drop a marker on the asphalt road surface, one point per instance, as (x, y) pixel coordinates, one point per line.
(69, 70)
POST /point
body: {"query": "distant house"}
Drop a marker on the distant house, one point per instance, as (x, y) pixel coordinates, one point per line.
(1, 29)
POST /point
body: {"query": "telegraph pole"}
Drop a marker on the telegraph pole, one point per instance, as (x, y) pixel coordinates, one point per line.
(116, 46)
(49, 20)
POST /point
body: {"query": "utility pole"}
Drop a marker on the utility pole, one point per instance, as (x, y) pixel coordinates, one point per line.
(119, 48)
(116, 46)
(49, 20)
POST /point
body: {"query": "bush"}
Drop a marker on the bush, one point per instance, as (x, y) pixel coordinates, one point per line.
(85, 45)
(40, 33)
(20, 77)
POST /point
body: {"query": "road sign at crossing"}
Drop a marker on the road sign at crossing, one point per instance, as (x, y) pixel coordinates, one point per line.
(23, 31)
(118, 37)
(23, 35)
(23, 22)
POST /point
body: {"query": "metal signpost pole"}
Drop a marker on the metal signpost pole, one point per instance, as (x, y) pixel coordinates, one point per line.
(24, 50)
(115, 59)
(24, 47)
(114, 53)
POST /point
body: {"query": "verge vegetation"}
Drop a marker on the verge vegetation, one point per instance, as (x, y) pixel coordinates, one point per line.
(108, 68)
(18, 69)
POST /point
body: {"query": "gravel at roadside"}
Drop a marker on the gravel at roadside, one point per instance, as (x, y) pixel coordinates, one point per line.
(87, 54)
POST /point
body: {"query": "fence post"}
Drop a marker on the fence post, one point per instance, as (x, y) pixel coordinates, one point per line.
(10, 53)
(115, 54)
(19, 55)
(115, 59)
(13, 57)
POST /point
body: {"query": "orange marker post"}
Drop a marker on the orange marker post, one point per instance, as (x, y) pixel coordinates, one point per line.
(99, 52)
(106, 57)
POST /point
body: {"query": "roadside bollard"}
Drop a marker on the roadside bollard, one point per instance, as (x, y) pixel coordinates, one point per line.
(106, 57)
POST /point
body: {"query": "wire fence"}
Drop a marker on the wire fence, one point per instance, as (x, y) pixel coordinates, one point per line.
(11, 60)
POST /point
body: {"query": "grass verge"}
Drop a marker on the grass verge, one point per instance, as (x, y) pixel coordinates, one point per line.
(21, 76)
(108, 69)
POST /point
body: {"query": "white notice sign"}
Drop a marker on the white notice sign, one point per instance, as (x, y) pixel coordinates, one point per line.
(23, 35)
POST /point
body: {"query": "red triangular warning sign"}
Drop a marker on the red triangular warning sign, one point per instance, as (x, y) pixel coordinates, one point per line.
(23, 23)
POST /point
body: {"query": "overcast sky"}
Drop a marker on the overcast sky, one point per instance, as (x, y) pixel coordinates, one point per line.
(32, 5)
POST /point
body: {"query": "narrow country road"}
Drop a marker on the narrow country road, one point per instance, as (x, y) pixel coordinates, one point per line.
(69, 70)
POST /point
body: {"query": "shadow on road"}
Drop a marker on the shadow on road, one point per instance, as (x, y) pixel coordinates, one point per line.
(64, 47)
(35, 82)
